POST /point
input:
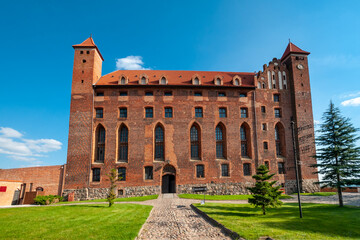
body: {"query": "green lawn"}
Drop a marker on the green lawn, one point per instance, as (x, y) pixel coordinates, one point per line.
(96, 221)
(321, 221)
(129, 199)
(318, 194)
(221, 197)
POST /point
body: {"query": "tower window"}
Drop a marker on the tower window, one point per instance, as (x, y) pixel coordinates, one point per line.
(263, 109)
(244, 112)
(82, 81)
(267, 164)
(96, 174)
(225, 170)
(168, 112)
(99, 113)
(281, 168)
(122, 174)
(81, 52)
(277, 112)
(200, 171)
(222, 112)
(266, 147)
(198, 112)
(264, 127)
(247, 169)
(87, 52)
(84, 61)
(123, 112)
(148, 173)
(149, 112)
(276, 98)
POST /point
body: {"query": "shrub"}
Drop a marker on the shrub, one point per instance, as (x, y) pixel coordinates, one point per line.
(46, 200)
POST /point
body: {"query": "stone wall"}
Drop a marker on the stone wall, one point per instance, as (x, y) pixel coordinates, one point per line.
(218, 188)
(307, 186)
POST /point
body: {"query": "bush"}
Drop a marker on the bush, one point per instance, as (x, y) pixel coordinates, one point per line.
(46, 200)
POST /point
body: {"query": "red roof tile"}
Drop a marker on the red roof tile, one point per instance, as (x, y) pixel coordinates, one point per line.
(88, 43)
(291, 48)
(177, 77)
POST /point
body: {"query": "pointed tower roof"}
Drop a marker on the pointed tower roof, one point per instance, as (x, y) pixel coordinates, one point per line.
(292, 48)
(88, 43)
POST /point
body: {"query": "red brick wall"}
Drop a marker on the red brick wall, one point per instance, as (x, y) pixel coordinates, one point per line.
(49, 177)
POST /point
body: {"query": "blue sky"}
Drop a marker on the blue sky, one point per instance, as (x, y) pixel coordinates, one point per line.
(37, 57)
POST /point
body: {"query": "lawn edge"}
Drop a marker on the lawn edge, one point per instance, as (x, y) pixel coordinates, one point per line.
(141, 229)
(213, 222)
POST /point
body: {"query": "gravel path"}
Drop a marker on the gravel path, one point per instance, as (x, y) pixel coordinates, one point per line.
(172, 218)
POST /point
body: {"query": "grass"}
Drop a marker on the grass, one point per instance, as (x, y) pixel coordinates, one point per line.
(129, 199)
(320, 221)
(96, 221)
(222, 197)
(318, 194)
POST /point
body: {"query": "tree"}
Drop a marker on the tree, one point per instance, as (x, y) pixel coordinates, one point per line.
(113, 177)
(264, 194)
(338, 159)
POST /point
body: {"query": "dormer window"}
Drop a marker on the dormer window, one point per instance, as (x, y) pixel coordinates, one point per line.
(143, 79)
(218, 81)
(236, 82)
(123, 80)
(196, 80)
(163, 81)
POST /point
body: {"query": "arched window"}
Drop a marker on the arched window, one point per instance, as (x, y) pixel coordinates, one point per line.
(100, 144)
(245, 140)
(195, 139)
(143, 80)
(123, 143)
(218, 81)
(236, 82)
(159, 143)
(123, 81)
(196, 81)
(163, 81)
(279, 140)
(220, 133)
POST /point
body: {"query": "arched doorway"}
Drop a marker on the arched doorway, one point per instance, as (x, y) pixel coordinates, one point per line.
(168, 179)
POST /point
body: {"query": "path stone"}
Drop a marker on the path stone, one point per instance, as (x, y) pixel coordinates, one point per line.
(172, 218)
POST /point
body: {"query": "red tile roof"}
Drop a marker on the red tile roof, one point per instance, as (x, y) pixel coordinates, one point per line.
(291, 48)
(88, 43)
(177, 77)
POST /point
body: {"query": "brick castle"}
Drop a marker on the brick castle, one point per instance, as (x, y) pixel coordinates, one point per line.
(169, 131)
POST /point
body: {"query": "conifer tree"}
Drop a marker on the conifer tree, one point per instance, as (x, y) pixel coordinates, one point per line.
(264, 194)
(113, 177)
(338, 158)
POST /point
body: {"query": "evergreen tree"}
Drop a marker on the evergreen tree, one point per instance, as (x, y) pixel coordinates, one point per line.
(264, 194)
(113, 177)
(338, 158)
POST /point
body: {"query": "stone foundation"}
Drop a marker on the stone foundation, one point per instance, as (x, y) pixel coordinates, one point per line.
(307, 186)
(218, 188)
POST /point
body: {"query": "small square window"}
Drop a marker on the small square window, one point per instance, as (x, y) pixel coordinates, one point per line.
(276, 98)
(123, 93)
(225, 170)
(281, 168)
(244, 112)
(277, 112)
(148, 173)
(149, 93)
(221, 94)
(81, 52)
(200, 173)
(222, 112)
(99, 94)
(149, 112)
(247, 169)
(264, 127)
(168, 93)
(122, 174)
(242, 95)
(87, 52)
(120, 192)
(99, 113)
(263, 109)
(198, 112)
(266, 147)
(96, 174)
(198, 94)
(123, 112)
(168, 112)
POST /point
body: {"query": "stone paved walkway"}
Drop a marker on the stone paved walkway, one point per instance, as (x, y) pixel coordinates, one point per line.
(172, 218)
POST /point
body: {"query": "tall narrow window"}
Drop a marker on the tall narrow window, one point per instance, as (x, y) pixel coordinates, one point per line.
(198, 112)
(122, 174)
(96, 174)
(279, 140)
(123, 143)
(225, 170)
(148, 173)
(200, 171)
(277, 112)
(220, 141)
(99, 113)
(247, 169)
(244, 152)
(195, 142)
(281, 167)
(100, 144)
(159, 143)
(244, 112)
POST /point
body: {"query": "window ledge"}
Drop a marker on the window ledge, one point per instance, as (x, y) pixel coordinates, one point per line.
(220, 159)
(120, 162)
(246, 158)
(98, 162)
(195, 159)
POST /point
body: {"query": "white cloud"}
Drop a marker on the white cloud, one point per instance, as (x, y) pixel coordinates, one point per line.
(130, 63)
(317, 122)
(351, 102)
(14, 146)
(9, 132)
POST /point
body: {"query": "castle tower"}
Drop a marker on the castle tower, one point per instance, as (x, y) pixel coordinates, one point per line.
(86, 71)
(296, 62)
